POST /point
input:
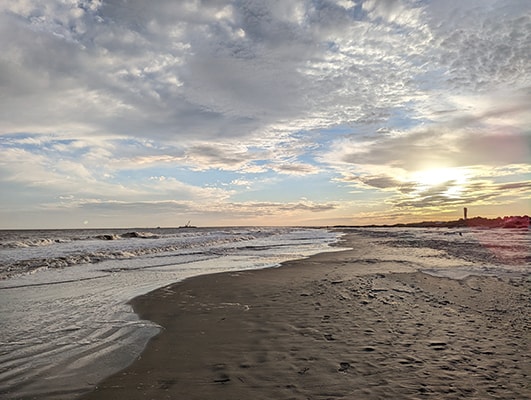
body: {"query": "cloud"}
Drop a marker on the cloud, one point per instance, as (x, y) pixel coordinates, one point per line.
(98, 96)
(179, 71)
(463, 161)
(437, 147)
(172, 212)
(382, 182)
(518, 186)
(492, 133)
(171, 71)
(276, 209)
(482, 44)
(241, 182)
(211, 156)
(295, 169)
(71, 172)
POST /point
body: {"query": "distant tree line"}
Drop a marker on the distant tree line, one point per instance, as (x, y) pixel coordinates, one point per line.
(505, 222)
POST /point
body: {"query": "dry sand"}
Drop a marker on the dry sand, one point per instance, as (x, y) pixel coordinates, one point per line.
(328, 328)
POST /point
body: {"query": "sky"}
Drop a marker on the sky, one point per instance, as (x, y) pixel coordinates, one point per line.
(133, 113)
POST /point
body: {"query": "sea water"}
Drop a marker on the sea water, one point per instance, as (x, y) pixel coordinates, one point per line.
(64, 319)
(453, 253)
(66, 324)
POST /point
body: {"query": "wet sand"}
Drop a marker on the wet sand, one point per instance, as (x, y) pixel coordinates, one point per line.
(332, 327)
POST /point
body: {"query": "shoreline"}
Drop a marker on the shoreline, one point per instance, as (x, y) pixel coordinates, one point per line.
(331, 326)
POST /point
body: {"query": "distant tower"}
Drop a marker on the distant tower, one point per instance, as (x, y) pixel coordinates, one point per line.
(465, 210)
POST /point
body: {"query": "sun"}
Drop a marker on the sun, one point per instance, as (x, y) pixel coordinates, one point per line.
(454, 178)
(433, 177)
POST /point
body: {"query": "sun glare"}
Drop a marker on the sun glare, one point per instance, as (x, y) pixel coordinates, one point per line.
(454, 177)
(432, 177)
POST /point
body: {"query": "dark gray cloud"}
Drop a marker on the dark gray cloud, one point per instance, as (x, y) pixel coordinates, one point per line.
(382, 182)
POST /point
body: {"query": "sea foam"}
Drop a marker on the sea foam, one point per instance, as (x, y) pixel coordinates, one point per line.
(65, 319)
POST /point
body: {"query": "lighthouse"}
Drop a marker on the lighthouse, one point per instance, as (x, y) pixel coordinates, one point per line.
(465, 212)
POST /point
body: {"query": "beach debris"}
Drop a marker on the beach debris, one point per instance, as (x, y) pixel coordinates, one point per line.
(329, 337)
(303, 371)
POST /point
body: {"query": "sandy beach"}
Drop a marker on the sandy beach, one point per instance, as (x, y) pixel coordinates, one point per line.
(333, 326)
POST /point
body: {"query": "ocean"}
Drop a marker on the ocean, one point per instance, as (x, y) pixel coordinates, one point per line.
(65, 318)
(65, 321)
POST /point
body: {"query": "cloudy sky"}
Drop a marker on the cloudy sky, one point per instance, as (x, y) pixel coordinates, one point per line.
(131, 113)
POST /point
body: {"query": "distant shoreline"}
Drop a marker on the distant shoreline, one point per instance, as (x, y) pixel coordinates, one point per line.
(499, 222)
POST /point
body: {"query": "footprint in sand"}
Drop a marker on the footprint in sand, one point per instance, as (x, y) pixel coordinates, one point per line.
(223, 378)
(344, 366)
(437, 345)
